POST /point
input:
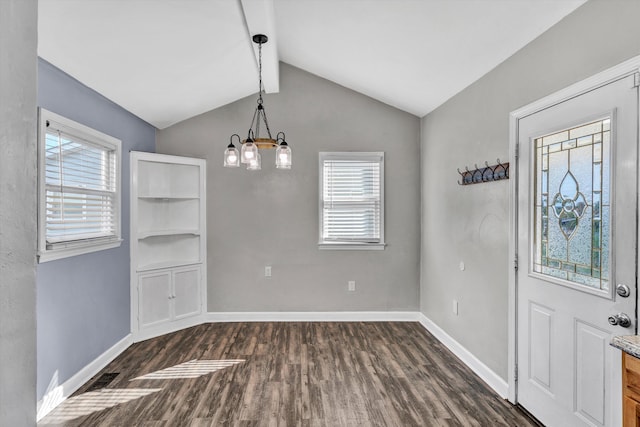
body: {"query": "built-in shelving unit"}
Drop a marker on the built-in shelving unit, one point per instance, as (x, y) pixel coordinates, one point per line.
(168, 243)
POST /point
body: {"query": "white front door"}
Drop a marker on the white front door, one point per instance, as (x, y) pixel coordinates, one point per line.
(577, 189)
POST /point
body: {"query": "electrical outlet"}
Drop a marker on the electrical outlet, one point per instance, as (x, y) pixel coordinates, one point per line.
(455, 307)
(352, 285)
(267, 271)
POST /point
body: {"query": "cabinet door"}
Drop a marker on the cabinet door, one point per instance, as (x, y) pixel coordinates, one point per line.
(631, 412)
(186, 286)
(154, 298)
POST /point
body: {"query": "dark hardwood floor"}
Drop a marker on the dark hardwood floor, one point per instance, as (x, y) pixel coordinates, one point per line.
(288, 374)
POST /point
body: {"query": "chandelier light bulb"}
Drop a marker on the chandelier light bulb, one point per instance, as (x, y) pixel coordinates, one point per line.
(231, 159)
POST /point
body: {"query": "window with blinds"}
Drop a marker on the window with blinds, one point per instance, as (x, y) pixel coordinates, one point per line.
(79, 188)
(352, 203)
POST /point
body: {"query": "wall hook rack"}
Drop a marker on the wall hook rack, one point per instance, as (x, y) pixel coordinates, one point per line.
(478, 175)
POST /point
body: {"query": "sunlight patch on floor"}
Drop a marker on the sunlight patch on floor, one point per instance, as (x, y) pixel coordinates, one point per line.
(94, 401)
(191, 369)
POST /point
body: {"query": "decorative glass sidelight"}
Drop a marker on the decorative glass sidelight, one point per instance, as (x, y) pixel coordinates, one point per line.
(572, 204)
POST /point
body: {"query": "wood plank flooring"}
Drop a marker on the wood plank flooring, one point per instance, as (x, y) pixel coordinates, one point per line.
(289, 374)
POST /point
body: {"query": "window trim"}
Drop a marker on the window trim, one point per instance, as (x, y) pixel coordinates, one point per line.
(349, 155)
(69, 248)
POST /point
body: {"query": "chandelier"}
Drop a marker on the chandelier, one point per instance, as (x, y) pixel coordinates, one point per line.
(249, 153)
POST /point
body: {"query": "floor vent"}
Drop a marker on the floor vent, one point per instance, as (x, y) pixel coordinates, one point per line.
(102, 381)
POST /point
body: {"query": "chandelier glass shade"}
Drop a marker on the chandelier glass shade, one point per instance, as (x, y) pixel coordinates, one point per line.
(255, 164)
(231, 155)
(249, 153)
(283, 155)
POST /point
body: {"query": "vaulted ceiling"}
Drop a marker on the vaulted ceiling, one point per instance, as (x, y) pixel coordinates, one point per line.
(169, 60)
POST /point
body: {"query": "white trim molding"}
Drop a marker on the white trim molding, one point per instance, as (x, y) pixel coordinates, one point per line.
(493, 380)
(56, 394)
(313, 316)
(603, 78)
(167, 328)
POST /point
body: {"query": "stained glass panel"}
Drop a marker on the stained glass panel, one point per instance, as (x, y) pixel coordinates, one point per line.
(571, 215)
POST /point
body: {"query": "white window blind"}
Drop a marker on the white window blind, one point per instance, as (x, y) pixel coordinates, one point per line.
(80, 198)
(352, 203)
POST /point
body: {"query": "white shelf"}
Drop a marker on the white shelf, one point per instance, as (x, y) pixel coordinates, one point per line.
(176, 232)
(160, 214)
(166, 197)
(175, 249)
(162, 265)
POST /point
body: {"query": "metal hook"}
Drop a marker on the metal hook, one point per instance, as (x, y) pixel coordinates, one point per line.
(487, 173)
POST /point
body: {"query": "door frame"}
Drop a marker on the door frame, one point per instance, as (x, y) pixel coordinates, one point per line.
(627, 68)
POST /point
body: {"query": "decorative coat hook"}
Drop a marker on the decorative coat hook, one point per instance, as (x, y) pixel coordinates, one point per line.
(496, 172)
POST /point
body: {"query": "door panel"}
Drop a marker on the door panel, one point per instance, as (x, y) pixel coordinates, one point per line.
(154, 292)
(576, 240)
(591, 348)
(186, 283)
(540, 345)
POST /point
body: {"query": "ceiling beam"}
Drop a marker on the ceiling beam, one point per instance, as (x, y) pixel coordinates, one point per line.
(260, 18)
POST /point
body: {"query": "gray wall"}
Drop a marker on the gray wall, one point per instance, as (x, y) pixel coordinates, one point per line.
(470, 223)
(84, 301)
(270, 217)
(18, 79)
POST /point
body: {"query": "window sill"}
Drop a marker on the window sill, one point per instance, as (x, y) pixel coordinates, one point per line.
(351, 246)
(55, 254)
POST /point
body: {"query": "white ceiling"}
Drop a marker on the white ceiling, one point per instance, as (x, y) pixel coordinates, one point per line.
(169, 60)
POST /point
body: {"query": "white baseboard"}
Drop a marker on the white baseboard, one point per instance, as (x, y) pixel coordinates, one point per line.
(60, 393)
(492, 379)
(168, 327)
(313, 316)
